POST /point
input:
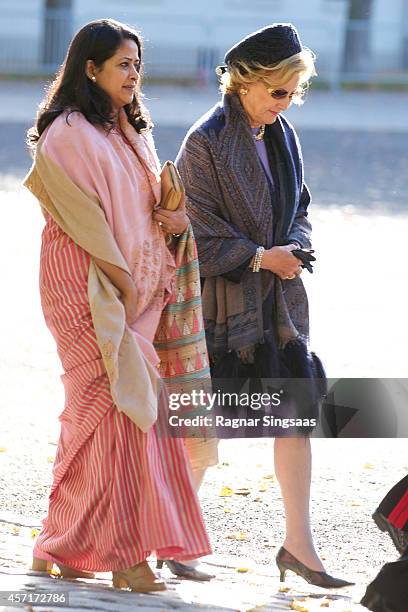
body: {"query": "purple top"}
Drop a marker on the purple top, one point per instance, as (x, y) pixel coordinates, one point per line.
(263, 156)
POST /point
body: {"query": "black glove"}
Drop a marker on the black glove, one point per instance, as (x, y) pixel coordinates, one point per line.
(306, 257)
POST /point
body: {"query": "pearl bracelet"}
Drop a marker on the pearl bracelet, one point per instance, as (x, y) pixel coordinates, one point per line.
(256, 266)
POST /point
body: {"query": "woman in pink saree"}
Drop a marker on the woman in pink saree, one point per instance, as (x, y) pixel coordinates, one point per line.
(120, 492)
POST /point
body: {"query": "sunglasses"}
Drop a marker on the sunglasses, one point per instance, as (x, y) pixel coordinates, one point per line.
(280, 94)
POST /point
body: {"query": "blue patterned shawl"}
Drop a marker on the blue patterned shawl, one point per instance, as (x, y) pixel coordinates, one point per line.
(232, 212)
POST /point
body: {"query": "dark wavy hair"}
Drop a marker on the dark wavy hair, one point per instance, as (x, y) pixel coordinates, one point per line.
(72, 90)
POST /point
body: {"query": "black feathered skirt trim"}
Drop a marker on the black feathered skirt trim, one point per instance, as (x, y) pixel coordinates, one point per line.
(293, 372)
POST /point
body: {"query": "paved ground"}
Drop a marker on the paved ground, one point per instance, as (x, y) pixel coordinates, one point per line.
(358, 299)
(235, 588)
(349, 476)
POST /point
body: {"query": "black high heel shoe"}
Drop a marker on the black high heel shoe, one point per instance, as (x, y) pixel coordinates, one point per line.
(184, 571)
(286, 561)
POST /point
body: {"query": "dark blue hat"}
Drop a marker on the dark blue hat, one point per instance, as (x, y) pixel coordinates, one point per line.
(267, 46)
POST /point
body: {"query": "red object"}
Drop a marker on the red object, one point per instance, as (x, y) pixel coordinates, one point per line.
(399, 515)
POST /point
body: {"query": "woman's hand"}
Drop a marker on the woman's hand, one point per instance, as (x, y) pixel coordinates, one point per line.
(280, 260)
(129, 299)
(173, 221)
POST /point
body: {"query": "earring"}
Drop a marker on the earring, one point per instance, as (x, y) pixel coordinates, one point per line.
(243, 91)
(93, 78)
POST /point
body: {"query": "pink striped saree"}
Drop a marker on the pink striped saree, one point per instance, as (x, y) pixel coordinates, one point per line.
(119, 491)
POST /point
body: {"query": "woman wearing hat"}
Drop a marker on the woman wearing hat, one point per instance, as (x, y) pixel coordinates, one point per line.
(242, 168)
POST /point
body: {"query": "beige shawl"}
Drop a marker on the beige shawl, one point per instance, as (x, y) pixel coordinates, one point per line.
(133, 380)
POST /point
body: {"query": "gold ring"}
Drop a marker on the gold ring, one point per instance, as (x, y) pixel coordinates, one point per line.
(291, 277)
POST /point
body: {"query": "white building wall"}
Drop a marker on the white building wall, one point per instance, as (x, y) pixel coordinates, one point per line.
(21, 25)
(180, 33)
(389, 22)
(405, 35)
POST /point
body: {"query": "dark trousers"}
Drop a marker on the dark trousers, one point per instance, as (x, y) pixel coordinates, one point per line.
(394, 506)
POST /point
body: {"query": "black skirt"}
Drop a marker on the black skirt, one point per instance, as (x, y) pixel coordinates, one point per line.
(293, 372)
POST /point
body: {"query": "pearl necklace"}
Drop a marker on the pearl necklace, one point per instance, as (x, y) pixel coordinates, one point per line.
(261, 133)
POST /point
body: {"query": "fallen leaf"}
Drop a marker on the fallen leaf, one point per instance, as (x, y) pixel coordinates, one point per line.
(239, 536)
(263, 487)
(283, 589)
(325, 603)
(227, 510)
(368, 466)
(242, 570)
(269, 477)
(34, 533)
(15, 529)
(226, 492)
(299, 607)
(50, 459)
(3, 449)
(242, 491)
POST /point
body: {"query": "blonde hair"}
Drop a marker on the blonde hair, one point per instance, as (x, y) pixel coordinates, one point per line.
(241, 73)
